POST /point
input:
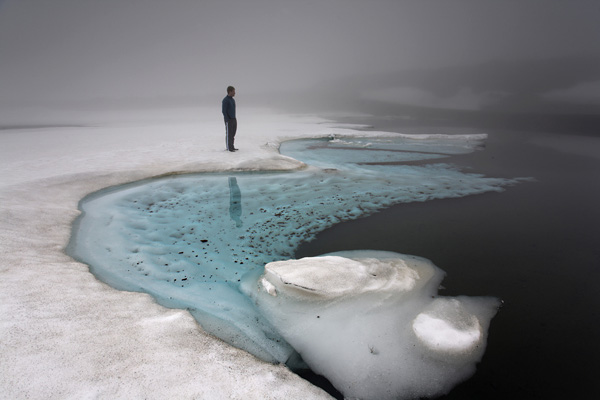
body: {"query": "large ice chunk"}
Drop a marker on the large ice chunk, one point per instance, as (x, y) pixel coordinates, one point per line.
(372, 323)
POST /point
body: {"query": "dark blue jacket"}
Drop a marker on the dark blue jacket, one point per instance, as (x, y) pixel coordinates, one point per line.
(228, 107)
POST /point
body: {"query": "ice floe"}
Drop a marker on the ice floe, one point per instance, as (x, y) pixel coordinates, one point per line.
(373, 324)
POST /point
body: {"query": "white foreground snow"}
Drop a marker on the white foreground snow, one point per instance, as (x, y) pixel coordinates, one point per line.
(63, 333)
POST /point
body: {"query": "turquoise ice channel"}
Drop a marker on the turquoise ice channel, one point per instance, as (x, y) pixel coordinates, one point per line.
(193, 241)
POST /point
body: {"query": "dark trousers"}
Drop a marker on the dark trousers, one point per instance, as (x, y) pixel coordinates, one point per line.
(230, 129)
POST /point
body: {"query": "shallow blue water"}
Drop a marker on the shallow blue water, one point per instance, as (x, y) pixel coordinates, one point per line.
(196, 241)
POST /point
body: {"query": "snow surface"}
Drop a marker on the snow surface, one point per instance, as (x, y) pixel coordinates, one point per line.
(66, 334)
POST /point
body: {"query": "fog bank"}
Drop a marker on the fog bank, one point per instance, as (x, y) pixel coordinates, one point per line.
(94, 54)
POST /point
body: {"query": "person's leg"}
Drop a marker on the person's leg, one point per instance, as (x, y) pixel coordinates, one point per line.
(231, 130)
(226, 135)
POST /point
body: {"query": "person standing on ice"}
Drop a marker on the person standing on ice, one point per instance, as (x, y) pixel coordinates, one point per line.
(228, 107)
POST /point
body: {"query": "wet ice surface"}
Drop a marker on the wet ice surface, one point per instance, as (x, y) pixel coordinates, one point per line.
(200, 242)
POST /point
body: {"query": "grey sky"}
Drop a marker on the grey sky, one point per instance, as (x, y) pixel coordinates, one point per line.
(86, 49)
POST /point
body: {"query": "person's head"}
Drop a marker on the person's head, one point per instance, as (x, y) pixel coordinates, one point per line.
(230, 91)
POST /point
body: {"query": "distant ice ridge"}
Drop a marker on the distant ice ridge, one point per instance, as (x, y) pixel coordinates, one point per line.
(372, 323)
(195, 241)
(356, 152)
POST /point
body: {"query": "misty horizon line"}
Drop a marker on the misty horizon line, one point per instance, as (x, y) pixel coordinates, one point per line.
(517, 88)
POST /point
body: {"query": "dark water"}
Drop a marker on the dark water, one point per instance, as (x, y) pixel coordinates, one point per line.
(535, 245)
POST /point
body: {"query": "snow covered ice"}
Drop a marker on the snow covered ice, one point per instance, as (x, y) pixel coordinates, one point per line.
(372, 322)
(200, 242)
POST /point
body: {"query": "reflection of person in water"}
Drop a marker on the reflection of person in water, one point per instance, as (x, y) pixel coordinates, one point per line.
(235, 201)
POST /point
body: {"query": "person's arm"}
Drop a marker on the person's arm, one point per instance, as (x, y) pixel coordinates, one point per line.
(224, 106)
